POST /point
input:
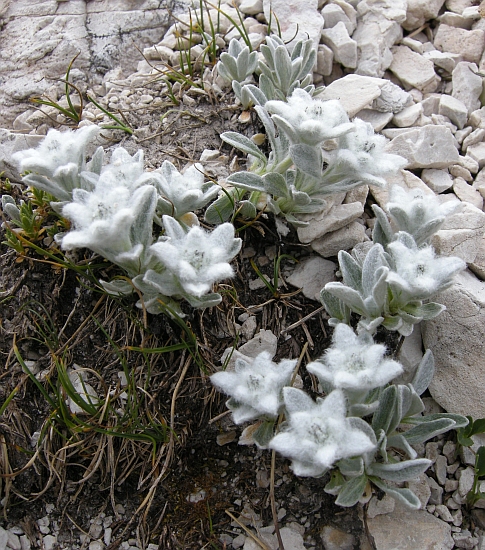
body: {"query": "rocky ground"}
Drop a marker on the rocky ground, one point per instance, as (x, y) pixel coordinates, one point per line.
(414, 71)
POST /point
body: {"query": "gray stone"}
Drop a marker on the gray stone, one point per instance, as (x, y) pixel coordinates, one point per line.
(444, 513)
(311, 275)
(408, 116)
(477, 118)
(459, 171)
(421, 489)
(337, 217)
(392, 99)
(426, 147)
(467, 86)
(406, 529)
(469, 44)
(355, 92)
(465, 483)
(324, 60)
(3, 538)
(461, 233)
(454, 109)
(297, 19)
(377, 119)
(344, 48)
(343, 239)
(420, 11)
(477, 152)
(459, 5)
(251, 7)
(436, 491)
(378, 507)
(410, 355)
(333, 14)
(476, 136)
(478, 264)
(413, 70)
(440, 469)
(443, 60)
(392, 10)
(458, 384)
(437, 180)
(467, 193)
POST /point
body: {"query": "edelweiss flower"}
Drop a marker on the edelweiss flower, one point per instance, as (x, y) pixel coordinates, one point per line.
(255, 387)
(58, 161)
(354, 362)
(316, 435)
(308, 120)
(361, 152)
(418, 274)
(417, 213)
(194, 261)
(182, 193)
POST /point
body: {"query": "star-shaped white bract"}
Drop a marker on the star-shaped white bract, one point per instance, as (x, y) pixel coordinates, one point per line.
(255, 387)
(182, 193)
(308, 120)
(361, 152)
(194, 260)
(56, 164)
(317, 434)
(417, 274)
(419, 214)
(354, 362)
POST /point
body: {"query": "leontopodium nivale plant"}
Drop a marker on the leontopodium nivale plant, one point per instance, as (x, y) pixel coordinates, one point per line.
(255, 387)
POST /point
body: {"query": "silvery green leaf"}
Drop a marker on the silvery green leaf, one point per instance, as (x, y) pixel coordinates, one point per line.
(235, 47)
(415, 406)
(363, 409)
(399, 471)
(224, 206)
(10, 208)
(335, 484)
(201, 302)
(275, 184)
(392, 322)
(96, 163)
(399, 442)
(424, 373)
(283, 68)
(352, 467)
(230, 67)
(428, 429)
(459, 420)
(383, 416)
(405, 496)
(370, 325)
(351, 271)
(243, 144)
(351, 491)
(296, 65)
(382, 233)
(263, 435)
(247, 180)
(251, 94)
(118, 287)
(287, 128)
(348, 295)
(335, 307)
(247, 209)
(267, 52)
(426, 311)
(308, 159)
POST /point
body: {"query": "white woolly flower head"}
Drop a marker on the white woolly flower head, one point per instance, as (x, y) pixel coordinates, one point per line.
(255, 387)
(182, 193)
(317, 434)
(354, 362)
(308, 120)
(196, 259)
(417, 273)
(362, 151)
(419, 214)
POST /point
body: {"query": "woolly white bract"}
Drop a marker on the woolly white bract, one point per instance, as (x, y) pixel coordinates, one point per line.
(354, 362)
(255, 387)
(317, 435)
(193, 260)
(308, 120)
(417, 273)
(57, 163)
(182, 193)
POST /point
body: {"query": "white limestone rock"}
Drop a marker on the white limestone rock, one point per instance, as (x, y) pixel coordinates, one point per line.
(311, 275)
(413, 70)
(392, 10)
(478, 264)
(456, 339)
(355, 92)
(469, 44)
(476, 136)
(467, 193)
(394, 530)
(454, 109)
(330, 220)
(392, 98)
(410, 355)
(377, 119)
(333, 14)
(455, 20)
(467, 86)
(443, 60)
(408, 116)
(461, 234)
(298, 20)
(324, 60)
(336, 539)
(459, 171)
(251, 7)
(437, 180)
(426, 147)
(344, 48)
(343, 239)
(420, 11)
(458, 6)
(477, 152)
(477, 118)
